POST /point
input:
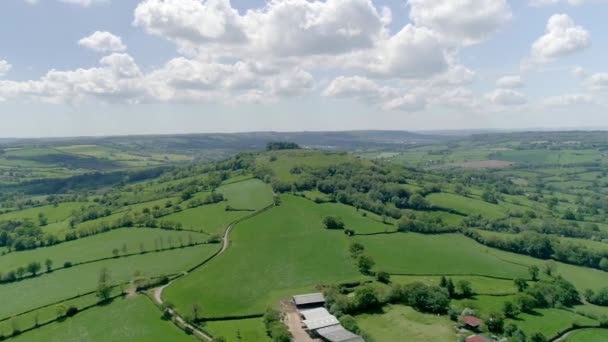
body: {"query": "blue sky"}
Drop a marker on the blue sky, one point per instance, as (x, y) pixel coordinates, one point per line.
(103, 67)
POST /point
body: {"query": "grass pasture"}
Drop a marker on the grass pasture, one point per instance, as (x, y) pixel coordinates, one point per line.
(62, 284)
(210, 219)
(100, 246)
(480, 285)
(53, 214)
(588, 335)
(132, 319)
(451, 254)
(246, 330)
(278, 253)
(550, 322)
(251, 194)
(402, 323)
(466, 205)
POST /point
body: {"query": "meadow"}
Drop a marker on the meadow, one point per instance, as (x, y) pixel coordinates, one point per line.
(417, 254)
(239, 330)
(271, 253)
(130, 319)
(588, 335)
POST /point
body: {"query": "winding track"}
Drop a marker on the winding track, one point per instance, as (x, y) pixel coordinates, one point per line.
(158, 291)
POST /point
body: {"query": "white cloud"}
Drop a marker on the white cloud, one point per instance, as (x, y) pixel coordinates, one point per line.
(5, 67)
(357, 87)
(83, 3)
(579, 72)
(543, 3)
(118, 79)
(406, 103)
(598, 81)
(506, 97)
(563, 37)
(102, 41)
(567, 100)
(511, 81)
(461, 21)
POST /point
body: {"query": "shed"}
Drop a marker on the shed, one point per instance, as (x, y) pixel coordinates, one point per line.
(309, 300)
(478, 338)
(471, 322)
(337, 333)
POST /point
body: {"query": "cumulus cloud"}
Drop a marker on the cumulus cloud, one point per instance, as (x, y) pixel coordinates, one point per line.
(506, 97)
(5, 67)
(357, 87)
(461, 22)
(567, 100)
(406, 103)
(562, 37)
(83, 3)
(511, 81)
(598, 81)
(102, 41)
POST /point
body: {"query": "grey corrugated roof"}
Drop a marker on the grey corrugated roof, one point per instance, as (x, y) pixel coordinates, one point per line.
(315, 314)
(311, 298)
(337, 333)
(314, 324)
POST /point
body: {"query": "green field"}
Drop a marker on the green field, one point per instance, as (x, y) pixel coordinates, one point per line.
(466, 205)
(62, 284)
(402, 323)
(480, 285)
(251, 194)
(53, 214)
(101, 246)
(132, 319)
(551, 322)
(210, 219)
(246, 330)
(417, 254)
(271, 253)
(588, 335)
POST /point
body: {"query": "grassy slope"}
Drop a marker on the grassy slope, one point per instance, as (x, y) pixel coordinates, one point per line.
(435, 255)
(135, 320)
(466, 205)
(244, 330)
(481, 285)
(402, 323)
(53, 214)
(550, 322)
(589, 335)
(249, 194)
(61, 284)
(212, 218)
(277, 254)
(98, 246)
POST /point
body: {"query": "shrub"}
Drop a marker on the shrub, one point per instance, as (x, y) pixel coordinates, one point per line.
(331, 222)
(71, 311)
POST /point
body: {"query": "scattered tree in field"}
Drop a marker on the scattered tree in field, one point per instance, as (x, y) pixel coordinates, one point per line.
(549, 268)
(20, 272)
(465, 290)
(365, 264)
(104, 289)
(115, 252)
(509, 309)
(60, 310)
(383, 277)
(520, 284)
(538, 337)
(534, 270)
(489, 196)
(49, 265)
(42, 219)
(495, 322)
(196, 311)
(33, 268)
(356, 249)
(331, 222)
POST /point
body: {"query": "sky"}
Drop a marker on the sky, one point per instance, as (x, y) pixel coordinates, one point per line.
(115, 67)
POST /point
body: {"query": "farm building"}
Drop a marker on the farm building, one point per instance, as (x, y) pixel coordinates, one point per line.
(311, 300)
(318, 318)
(479, 338)
(337, 333)
(318, 322)
(470, 322)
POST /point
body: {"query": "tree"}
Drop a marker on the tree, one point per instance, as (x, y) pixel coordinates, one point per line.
(350, 324)
(331, 222)
(509, 309)
(383, 277)
(525, 302)
(538, 337)
(464, 288)
(20, 272)
(49, 265)
(549, 268)
(367, 298)
(196, 311)
(356, 248)
(42, 219)
(115, 252)
(365, 264)
(604, 264)
(418, 202)
(489, 196)
(520, 284)
(495, 322)
(534, 270)
(33, 268)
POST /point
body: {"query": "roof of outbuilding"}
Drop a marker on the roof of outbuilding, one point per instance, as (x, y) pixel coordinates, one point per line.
(337, 333)
(471, 321)
(311, 298)
(478, 338)
(326, 321)
(314, 314)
